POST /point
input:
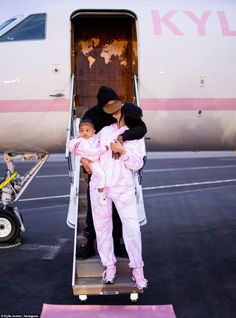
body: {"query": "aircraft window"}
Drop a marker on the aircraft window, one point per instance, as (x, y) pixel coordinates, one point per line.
(5, 23)
(32, 28)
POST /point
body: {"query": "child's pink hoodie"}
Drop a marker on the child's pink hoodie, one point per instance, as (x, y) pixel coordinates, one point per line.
(86, 148)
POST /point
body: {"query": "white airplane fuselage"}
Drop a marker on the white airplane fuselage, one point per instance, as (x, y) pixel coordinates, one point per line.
(186, 69)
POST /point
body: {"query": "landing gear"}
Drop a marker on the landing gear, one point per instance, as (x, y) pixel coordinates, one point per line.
(11, 188)
(9, 225)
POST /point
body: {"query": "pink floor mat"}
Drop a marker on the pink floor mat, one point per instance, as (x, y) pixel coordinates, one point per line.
(97, 311)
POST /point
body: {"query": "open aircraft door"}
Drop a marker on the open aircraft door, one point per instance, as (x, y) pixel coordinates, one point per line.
(104, 52)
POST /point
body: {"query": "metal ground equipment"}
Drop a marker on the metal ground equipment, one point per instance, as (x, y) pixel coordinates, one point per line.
(11, 189)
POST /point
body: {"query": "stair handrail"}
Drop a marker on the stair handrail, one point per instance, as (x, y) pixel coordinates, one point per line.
(135, 88)
(71, 115)
(71, 128)
(136, 95)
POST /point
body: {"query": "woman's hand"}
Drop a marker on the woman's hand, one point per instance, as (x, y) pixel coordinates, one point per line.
(86, 164)
(116, 155)
(120, 139)
(117, 147)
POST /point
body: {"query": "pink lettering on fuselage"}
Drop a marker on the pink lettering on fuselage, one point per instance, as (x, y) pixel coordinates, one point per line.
(158, 21)
(164, 21)
(224, 24)
(200, 23)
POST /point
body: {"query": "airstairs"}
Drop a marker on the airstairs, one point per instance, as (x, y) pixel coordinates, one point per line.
(87, 274)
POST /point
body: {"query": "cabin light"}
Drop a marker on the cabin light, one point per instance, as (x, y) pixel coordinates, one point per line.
(161, 72)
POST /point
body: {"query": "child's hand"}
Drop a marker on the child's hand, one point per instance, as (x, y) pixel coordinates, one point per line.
(86, 164)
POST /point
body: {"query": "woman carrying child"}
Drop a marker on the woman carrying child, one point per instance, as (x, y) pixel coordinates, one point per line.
(119, 188)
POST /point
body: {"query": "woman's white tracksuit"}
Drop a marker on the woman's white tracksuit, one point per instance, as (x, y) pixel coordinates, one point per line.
(119, 188)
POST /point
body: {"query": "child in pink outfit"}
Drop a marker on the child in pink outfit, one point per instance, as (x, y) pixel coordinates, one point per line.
(87, 146)
(119, 188)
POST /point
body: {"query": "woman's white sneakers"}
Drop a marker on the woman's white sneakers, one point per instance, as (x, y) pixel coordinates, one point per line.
(109, 276)
(138, 277)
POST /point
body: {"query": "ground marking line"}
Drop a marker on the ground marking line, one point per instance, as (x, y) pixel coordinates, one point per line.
(45, 198)
(52, 175)
(150, 170)
(44, 207)
(49, 251)
(189, 168)
(184, 192)
(145, 196)
(144, 189)
(189, 184)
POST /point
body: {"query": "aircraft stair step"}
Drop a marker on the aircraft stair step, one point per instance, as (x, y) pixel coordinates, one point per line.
(82, 202)
(92, 267)
(95, 286)
(83, 186)
(81, 222)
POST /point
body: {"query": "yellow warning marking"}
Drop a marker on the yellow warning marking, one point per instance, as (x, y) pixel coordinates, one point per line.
(5, 182)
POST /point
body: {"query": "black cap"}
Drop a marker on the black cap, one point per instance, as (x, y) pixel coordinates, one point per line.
(105, 94)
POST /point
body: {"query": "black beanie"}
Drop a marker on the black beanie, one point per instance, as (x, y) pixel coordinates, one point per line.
(105, 94)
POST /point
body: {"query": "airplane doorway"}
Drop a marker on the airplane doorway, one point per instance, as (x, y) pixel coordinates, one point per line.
(104, 52)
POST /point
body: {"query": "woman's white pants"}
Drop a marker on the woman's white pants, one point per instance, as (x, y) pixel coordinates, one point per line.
(125, 202)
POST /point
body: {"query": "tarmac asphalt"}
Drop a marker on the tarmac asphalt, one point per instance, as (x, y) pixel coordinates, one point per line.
(188, 242)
